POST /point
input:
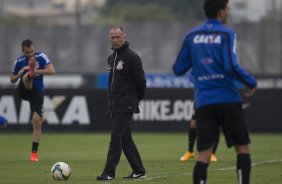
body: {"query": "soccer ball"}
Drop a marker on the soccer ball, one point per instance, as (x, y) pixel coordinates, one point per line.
(60, 171)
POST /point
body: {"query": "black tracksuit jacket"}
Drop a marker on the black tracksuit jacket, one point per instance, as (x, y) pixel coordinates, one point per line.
(127, 84)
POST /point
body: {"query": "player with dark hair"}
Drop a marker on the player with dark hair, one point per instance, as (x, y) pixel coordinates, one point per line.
(126, 88)
(210, 51)
(30, 68)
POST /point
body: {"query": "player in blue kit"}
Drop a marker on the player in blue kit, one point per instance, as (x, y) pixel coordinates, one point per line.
(30, 68)
(210, 51)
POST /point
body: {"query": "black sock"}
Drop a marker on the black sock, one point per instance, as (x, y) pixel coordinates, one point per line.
(35, 146)
(244, 168)
(200, 173)
(192, 138)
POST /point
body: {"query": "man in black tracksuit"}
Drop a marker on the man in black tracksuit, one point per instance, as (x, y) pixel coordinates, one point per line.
(125, 89)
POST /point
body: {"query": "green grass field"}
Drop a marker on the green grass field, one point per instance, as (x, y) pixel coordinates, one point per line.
(86, 154)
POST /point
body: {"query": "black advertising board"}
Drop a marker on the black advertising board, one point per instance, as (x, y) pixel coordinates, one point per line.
(162, 110)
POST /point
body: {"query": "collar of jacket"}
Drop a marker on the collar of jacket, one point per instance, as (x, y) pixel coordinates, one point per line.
(213, 21)
(124, 46)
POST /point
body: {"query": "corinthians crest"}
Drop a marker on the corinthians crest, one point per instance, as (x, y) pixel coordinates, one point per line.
(120, 65)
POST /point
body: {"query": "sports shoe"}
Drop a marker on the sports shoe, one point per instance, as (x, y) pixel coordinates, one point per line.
(134, 175)
(33, 157)
(213, 158)
(31, 67)
(104, 177)
(187, 156)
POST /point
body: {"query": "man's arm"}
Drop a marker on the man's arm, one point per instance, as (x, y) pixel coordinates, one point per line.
(138, 77)
(182, 64)
(14, 77)
(48, 70)
(231, 65)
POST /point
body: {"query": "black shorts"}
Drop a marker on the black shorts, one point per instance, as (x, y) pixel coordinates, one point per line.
(34, 97)
(228, 116)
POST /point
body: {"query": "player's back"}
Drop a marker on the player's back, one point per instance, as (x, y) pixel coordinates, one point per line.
(209, 47)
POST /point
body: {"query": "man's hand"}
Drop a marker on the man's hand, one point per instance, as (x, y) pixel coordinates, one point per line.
(193, 124)
(14, 78)
(3, 126)
(20, 73)
(249, 91)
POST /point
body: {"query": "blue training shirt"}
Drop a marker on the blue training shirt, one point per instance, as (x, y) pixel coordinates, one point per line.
(41, 62)
(210, 50)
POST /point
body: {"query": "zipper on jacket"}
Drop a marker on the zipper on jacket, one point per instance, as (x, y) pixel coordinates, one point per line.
(113, 68)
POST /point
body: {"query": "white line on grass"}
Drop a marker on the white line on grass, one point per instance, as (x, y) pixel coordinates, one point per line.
(190, 173)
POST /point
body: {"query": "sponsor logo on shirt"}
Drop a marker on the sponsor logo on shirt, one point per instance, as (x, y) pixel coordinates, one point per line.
(211, 77)
(207, 39)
